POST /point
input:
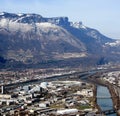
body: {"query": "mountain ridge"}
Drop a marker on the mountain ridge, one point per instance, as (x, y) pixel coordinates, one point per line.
(33, 39)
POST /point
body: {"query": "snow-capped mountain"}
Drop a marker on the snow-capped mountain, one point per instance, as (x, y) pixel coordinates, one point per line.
(78, 25)
(33, 39)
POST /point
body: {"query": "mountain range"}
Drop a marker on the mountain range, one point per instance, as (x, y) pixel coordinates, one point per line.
(30, 40)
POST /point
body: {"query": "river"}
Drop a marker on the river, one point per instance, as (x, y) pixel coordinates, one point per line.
(104, 103)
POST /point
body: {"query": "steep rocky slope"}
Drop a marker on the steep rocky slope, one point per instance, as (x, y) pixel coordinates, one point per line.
(30, 39)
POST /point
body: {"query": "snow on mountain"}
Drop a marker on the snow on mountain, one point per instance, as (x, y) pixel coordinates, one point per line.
(39, 29)
(24, 27)
(2, 13)
(47, 25)
(31, 38)
(38, 24)
(20, 14)
(13, 26)
(112, 44)
(94, 34)
(78, 25)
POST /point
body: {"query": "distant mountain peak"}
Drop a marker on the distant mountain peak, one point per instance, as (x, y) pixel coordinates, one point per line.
(78, 25)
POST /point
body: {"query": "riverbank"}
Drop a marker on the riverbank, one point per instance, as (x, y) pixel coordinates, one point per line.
(96, 106)
(114, 96)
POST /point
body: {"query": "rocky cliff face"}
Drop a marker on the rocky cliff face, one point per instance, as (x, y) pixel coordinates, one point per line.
(33, 39)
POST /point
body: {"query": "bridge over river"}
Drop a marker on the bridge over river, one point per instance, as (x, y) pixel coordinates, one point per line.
(110, 111)
(105, 97)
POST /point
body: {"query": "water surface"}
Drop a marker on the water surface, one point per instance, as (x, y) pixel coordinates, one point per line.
(105, 104)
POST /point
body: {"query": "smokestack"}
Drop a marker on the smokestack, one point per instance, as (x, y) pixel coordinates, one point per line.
(2, 89)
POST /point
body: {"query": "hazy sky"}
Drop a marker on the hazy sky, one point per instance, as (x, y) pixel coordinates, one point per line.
(104, 15)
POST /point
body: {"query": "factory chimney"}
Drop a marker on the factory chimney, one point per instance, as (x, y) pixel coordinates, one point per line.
(2, 89)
